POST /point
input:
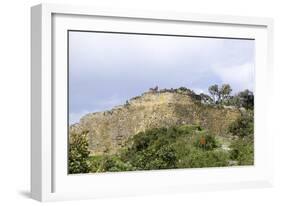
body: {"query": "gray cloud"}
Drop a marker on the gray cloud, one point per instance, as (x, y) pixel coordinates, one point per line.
(107, 69)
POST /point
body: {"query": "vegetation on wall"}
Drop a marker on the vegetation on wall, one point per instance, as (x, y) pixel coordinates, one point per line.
(178, 146)
(186, 146)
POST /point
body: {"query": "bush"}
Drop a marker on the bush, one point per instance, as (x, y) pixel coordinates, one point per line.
(185, 146)
(174, 147)
(163, 158)
(198, 158)
(247, 99)
(109, 163)
(153, 148)
(242, 151)
(243, 126)
(78, 153)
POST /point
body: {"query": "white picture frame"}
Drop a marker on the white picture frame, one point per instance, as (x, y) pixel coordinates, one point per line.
(49, 178)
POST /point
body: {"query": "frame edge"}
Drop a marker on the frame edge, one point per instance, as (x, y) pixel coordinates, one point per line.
(36, 117)
(39, 16)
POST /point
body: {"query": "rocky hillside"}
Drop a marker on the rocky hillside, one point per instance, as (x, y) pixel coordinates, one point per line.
(109, 130)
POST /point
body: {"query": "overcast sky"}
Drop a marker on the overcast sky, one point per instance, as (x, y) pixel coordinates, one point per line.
(107, 69)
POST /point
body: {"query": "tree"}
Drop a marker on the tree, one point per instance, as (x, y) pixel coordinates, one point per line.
(220, 94)
(214, 91)
(225, 91)
(78, 153)
(247, 99)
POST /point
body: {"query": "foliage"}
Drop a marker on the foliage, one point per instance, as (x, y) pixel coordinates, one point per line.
(220, 94)
(242, 99)
(214, 91)
(152, 149)
(199, 158)
(185, 146)
(243, 151)
(233, 101)
(78, 153)
(165, 148)
(246, 99)
(179, 146)
(225, 91)
(243, 127)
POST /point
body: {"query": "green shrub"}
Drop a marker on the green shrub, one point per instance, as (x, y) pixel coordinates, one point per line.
(174, 147)
(78, 153)
(109, 163)
(246, 99)
(243, 126)
(198, 158)
(163, 158)
(242, 151)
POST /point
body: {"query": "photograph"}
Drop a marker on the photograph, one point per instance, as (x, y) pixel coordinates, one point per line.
(143, 101)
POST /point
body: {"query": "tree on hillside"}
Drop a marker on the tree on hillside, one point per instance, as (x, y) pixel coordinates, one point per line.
(220, 94)
(246, 98)
(242, 99)
(214, 91)
(225, 91)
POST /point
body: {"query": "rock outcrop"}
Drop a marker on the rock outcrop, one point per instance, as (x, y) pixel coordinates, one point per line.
(109, 130)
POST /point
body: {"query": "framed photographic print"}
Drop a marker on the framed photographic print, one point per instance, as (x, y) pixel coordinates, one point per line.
(135, 102)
